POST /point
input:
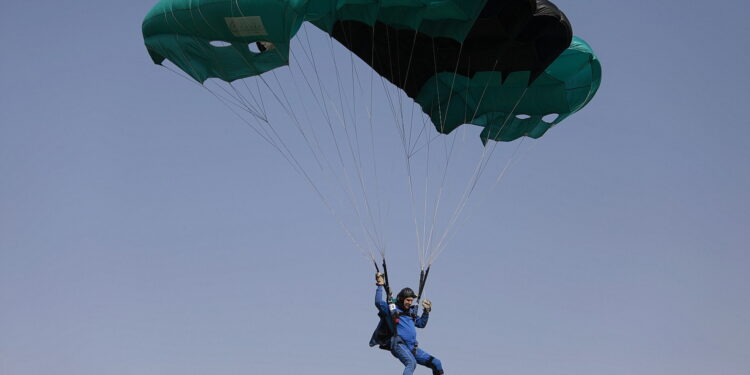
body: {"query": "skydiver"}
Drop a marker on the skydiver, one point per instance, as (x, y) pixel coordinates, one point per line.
(403, 317)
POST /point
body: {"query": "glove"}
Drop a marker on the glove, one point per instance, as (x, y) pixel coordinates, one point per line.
(427, 305)
(379, 279)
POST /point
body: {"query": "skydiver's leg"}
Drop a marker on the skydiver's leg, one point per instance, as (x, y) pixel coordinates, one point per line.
(402, 352)
(424, 359)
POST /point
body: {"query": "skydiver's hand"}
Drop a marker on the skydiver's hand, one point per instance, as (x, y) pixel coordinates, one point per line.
(379, 279)
(427, 305)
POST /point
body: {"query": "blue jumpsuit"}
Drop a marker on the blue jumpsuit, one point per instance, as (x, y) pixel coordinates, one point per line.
(404, 346)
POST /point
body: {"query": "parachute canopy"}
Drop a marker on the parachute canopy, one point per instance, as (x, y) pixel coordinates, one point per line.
(506, 65)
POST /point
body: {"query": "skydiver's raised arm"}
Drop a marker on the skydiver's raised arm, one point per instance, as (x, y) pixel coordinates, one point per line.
(421, 322)
(380, 302)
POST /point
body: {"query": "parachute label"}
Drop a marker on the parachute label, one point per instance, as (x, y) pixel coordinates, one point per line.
(246, 26)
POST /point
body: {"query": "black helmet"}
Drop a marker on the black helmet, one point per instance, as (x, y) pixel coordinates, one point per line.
(405, 293)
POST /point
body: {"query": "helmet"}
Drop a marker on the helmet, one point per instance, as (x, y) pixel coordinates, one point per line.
(405, 293)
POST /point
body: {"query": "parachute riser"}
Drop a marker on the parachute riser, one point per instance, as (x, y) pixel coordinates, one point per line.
(422, 281)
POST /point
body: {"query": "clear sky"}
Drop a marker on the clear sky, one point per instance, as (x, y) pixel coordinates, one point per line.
(145, 230)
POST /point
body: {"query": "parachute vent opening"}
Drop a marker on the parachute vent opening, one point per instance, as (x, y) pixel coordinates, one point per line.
(522, 116)
(550, 118)
(260, 47)
(220, 43)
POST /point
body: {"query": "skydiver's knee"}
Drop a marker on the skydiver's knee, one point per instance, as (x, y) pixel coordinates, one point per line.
(435, 365)
(411, 365)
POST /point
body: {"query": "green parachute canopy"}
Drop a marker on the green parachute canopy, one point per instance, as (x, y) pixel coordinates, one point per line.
(510, 66)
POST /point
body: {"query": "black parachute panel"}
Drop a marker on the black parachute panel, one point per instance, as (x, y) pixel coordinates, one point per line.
(508, 36)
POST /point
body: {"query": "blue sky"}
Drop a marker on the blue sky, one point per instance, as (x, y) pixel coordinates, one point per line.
(145, 230)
